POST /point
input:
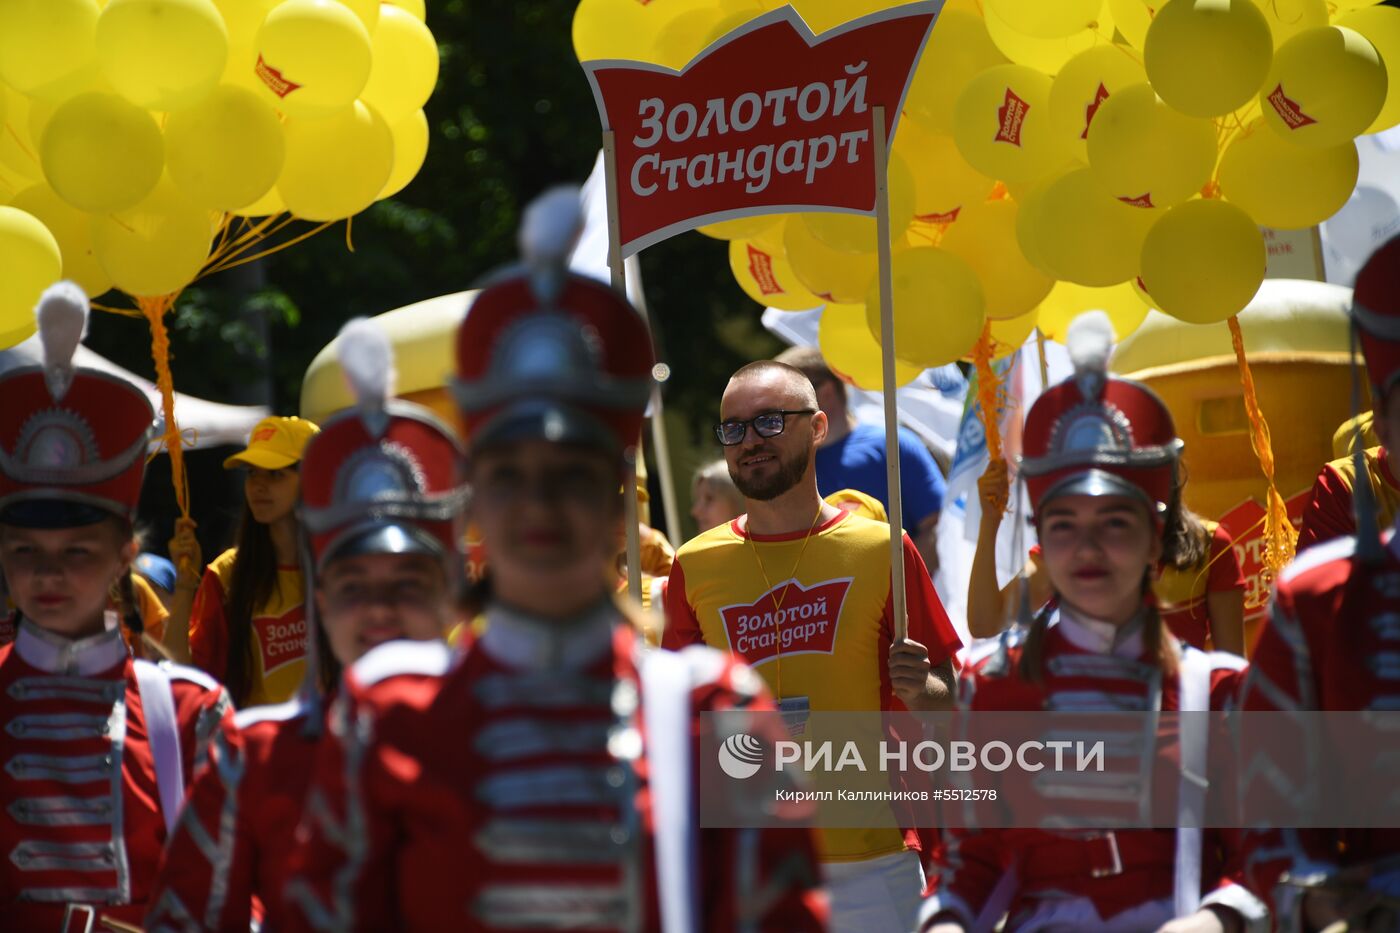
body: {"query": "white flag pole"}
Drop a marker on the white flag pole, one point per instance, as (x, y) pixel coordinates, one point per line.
(886, 280)
(619, 282)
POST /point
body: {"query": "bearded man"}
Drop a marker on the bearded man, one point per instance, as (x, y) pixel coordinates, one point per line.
(801, 590)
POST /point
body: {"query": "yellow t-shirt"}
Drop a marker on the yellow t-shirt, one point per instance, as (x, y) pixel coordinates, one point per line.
(816, 623)
(278, 642)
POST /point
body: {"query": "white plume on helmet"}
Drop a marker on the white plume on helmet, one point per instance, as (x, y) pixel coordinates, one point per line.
(62, 315)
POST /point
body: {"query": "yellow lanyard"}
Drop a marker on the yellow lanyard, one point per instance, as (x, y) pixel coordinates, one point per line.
(778, 603)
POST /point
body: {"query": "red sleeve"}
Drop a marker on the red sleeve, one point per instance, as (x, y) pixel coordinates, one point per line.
(1225, 571)
(338, 879)
(1328, 513)
(209, 628)
(966, 869)
(682, 627)
(929, 624)
(209, 851)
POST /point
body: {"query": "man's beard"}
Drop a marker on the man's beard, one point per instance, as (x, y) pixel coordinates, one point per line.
(790, 473)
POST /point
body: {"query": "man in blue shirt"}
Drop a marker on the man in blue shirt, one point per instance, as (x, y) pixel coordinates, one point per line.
(853, 456)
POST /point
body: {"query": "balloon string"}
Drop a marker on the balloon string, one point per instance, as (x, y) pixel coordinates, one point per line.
(988, 402)
(1280, 541)
(155, 309)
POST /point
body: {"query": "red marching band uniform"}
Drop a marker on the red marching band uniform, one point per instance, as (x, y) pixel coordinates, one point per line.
(1094, 435)
(96, 747)
(381, 478)
(1332, 642)
(543, 778)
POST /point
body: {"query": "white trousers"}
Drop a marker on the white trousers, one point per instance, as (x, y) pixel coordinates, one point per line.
(878, 895)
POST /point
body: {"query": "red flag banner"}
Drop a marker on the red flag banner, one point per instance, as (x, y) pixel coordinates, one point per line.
(768, 119)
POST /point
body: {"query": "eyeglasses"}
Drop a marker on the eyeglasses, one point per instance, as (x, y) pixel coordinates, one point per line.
(767, 424)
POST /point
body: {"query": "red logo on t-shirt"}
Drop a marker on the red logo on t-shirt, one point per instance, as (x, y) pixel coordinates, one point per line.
(1011, 114)
(806, 623)
(761, 268)
(1288, 110)
(1100, 96)
(282, 639)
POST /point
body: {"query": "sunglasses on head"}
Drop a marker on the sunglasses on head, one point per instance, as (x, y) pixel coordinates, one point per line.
(766, 424)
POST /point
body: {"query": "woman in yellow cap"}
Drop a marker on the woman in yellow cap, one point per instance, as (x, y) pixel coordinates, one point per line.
(248, 626)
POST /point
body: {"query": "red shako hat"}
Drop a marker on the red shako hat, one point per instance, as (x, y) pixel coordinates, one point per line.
(1375, 307)
(546, 353)
(1098, 435)
(384, 477)
(73, 441)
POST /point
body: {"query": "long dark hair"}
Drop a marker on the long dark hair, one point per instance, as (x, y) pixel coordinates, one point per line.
(250, 585)
(1185, 540)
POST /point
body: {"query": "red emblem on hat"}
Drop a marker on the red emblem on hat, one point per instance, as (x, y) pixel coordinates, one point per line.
(1376, 310)
(70, 433)
(1011, 115)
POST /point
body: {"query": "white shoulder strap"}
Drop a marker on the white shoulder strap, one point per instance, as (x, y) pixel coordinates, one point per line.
(666, 698)
(158, 705)
(1191, 793)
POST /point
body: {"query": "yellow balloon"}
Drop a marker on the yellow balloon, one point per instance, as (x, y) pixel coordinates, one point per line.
(943, 181)
(404, 67)
(822, 15)
(1345, 5)
(1029, 203)
(678, 41)
(367, 10)
(1009, 335)
(939, 308)
(162, 54)
(767, 278)
(985, 238)
(853, 352)
(72, 230)
(1381, 26)
(265, 206)
(313, 57)
(32, 264)
(19, 153)
(1002, 123)
(855, 233)
(957, 50)
(157, 247)
(1081, 88)
(226, 151)
(1145, 153)
(629, 30)
(48, 48)
(740, 228)
(102, 153)
(830, 274)
(1132, 17)
(1086, 236)
(1326, 86)
(1067, 301)
(242, 20)
(410, 149)
(318, 182)
(417, 8)
(1286, 186)
(1049, 55)
(1203, 261)
(1207, 58)
(1287, 18)
(1046, 20)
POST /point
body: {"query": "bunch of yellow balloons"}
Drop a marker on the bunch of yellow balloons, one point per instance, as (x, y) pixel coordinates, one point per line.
(1055, 157)
(130, 129)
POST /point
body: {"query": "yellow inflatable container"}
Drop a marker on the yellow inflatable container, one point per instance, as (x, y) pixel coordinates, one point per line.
(1296, 339)
(423, 336)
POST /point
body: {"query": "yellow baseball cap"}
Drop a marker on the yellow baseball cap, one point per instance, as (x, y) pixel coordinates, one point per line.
(275, 443)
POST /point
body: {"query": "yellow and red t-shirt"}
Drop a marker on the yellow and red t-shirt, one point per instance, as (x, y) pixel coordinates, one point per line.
(1329, 513)
(278, 641)
(1181, 594)
(817, 624)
